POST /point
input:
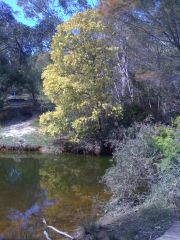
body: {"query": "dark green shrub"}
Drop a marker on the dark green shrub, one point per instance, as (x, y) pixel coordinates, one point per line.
(167, 141)
(133, 112)
(167, 190)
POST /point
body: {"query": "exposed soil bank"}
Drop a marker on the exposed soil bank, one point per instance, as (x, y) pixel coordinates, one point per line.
(25, 136)
(87, 147)
(20, 131)
(138, 223)
(64, 147)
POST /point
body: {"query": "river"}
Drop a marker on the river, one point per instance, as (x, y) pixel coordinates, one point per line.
(63, 189)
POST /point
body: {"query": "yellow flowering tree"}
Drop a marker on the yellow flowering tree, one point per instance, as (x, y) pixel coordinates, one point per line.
(79, 79)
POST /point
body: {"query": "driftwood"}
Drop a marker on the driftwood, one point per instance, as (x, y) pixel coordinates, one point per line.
(47, 235)
(55, 230)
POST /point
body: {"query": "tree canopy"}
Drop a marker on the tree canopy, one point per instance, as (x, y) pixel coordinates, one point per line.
(20, 46)
(80, 78)
(40, 9)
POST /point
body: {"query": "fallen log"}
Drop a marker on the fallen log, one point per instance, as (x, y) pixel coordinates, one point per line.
(64, 234)
(47, 235)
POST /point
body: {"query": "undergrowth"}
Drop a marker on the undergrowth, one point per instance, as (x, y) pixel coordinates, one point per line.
(145, 182)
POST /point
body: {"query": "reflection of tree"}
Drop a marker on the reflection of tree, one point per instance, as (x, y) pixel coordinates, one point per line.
(24, 170)
(73, 180)
(71, 174)
(55, 186)
(19, 184)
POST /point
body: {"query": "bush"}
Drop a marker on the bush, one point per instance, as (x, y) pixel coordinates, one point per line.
(168, 144)
(147, 165)
(133, 173)
(167, 190)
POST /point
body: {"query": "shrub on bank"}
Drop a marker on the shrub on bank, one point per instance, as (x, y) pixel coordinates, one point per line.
(167, 142)
(167, 190)
(131, 177)
(147, 166)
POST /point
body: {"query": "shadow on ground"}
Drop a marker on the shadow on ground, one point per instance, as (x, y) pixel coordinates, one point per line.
(147, 224)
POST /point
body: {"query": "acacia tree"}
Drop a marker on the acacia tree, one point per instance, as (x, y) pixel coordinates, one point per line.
(79, 80)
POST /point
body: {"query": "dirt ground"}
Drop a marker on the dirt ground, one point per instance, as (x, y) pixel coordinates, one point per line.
(19, 129)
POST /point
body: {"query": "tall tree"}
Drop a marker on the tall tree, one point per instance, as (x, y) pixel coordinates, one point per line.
(160, 19)
(48, 14)
(18, 44)
(80, 78)
(115, 14)
(149, 31)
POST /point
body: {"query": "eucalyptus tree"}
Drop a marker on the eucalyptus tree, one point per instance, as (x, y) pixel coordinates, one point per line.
(39, 9)
(18, 44)
(151, 33)
(159, 19)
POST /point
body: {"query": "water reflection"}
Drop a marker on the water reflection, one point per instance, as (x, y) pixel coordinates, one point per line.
(59, 188)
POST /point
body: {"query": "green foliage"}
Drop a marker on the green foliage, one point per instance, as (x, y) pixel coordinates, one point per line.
(167, 141)
(9, 78)
(20, 46)
(79, 80)
(167, 189)
(147, 166)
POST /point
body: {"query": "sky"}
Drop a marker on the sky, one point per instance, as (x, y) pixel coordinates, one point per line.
(20, 15)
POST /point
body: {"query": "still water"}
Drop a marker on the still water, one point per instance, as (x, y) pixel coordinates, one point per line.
(63, 189)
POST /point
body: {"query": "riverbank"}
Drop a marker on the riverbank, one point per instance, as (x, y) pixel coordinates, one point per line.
(25, 136)
(145, 199)
(144, 182)
(139, 223)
